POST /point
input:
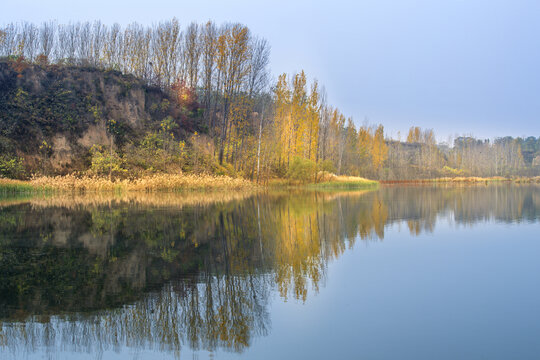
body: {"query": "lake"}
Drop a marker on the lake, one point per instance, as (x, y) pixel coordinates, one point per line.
(408, 272)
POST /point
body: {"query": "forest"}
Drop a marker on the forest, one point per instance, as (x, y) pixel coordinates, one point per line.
(223, 112)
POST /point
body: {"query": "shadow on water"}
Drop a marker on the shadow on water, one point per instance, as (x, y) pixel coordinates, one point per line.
(166, 271)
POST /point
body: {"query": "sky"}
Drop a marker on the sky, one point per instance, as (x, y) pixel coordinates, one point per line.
(459, 67)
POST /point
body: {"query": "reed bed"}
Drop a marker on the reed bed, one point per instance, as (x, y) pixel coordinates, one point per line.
(161, 182)
(448, 180)
(529, 180)
(470, 179)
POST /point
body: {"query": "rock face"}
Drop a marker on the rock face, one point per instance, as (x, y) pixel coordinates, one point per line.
(56, 113)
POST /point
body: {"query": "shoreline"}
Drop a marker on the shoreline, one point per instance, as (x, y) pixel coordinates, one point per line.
(208, 183)
(170, 183)
(464, 180)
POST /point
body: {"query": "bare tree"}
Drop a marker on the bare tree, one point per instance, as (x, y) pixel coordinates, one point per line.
(192, 54)
(84, 43)
(97, 41)
(166, 38)
(208, 51)
(258, 66)
(46, 38)
(28, 41)
(8, 41)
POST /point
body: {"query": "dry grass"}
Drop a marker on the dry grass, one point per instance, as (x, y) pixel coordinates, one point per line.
(342, 178)
(465, 181)
(529, 180)
(326, 181)
(450, 180)
(324, 176)
(331, 181)
(162, 182)
(470, 179)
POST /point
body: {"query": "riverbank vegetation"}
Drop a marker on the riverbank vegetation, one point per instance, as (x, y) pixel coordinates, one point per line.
(333, 182)
(137, 102)
(466, 180)
(155, 183)
(16, 186)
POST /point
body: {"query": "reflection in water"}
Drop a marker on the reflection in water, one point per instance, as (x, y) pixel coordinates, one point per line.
(170, 271)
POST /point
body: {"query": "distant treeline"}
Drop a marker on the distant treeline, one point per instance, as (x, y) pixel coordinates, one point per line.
(255, 128)
(421, 157)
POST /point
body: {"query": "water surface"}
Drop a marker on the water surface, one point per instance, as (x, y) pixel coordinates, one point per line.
(401, 272)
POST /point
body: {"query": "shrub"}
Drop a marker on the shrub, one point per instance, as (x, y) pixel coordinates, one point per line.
(327, 166)
(105, 162)
(448, 171)
(152, 142)
(225, 169)
(200, 157)
(302, 170)
(157, 152)
(42, 60)
(11, 167)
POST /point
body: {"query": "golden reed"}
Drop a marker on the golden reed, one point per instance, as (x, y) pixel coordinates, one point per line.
(161, 182)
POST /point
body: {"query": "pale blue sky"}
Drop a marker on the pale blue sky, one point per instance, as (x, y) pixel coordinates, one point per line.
(457, 66)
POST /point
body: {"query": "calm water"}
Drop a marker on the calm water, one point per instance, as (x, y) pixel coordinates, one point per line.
(397, 273)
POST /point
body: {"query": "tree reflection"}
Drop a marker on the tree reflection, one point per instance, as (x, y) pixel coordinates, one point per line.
(161, 273)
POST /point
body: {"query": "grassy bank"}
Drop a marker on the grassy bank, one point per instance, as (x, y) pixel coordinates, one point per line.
(9, 186)
(345, 183)
(170, 183)
(327, 182)
(181, 182)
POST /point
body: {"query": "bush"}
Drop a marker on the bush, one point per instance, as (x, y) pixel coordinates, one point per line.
(201, 155)
(225, 169)
(302, 170)
(11, 167)
(157, 152)
(105, 162)
(448, 171)
(327, 166)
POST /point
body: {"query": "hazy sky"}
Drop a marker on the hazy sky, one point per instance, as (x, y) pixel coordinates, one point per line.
(457, 66)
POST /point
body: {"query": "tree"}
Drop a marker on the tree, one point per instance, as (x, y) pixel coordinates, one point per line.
(379, 149)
